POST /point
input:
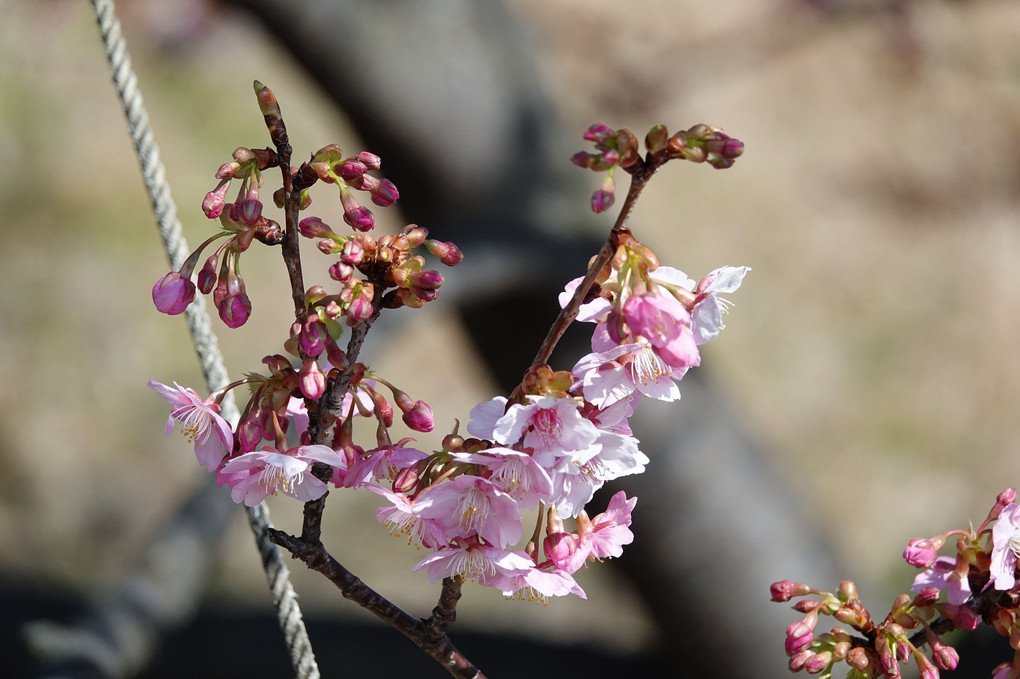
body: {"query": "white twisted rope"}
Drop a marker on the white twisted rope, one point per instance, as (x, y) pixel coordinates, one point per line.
(277, 575)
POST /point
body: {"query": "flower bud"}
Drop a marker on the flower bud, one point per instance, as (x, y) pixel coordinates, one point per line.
(419, 417)
(360, 218)
(385, 194)
(212, 204)
(207, 275)
(370, 160)
(921, 552)
(784, 590)
(448, 253)
(311, 379)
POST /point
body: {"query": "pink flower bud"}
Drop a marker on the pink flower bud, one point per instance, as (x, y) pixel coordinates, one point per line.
(173, 293)
(582, 159)
(248, 211)
(448, 253)
(360, 218)
(207, 275)
(818, 662)
(426, 280)
(598, 133)
(560, 547)
(313, 227)
(341, 272)
(235, 310)
(212, 204)
(351, 169)
(385, 194)
(352, 253)
(371, 161)
(311, 379)
(604, 198)
(784, 590)
(360, 309)
(313, 336)
(921, 552)
(419, 418)
(227, 170)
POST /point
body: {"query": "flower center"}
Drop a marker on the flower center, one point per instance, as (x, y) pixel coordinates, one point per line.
(1014, 543)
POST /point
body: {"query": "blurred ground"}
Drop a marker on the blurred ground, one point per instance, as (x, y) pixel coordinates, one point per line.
(873, 348)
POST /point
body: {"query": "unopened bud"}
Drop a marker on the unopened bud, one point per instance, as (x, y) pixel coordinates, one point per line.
(448, 253)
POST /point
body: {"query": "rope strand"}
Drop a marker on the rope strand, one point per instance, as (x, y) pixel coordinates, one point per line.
(202, 335)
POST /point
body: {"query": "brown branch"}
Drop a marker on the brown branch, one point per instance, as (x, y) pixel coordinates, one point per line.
(423, 633)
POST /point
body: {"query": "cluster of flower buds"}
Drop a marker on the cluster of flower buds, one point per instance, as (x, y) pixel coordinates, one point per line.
(619, 148)
(352, 173)
(977, 584)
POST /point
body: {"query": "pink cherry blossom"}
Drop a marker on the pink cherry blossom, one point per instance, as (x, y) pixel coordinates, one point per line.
(1005, 547)
(610, 376)
(610, 530)
(402, 519)
(943, 576)
(467, 505)
(551, 427)
(276, 471)
(666, 324)
(515, 473)
(709, 308)
(473, 560)
(537, 584)
(200, 421)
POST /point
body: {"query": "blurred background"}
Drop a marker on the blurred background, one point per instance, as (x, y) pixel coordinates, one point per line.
(871, 357)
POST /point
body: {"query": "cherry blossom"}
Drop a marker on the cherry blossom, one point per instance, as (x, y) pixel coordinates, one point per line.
(943, 575)
(467, 505)
(1005, 547)
(275, 471)
(473, 560)
(200, 421)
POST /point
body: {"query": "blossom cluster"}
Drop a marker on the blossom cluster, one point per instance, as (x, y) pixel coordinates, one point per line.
(543, 452)
(977, 584)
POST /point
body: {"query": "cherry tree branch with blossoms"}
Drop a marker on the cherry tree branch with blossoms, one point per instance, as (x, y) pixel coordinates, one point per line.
(558, 438)
(976, 585)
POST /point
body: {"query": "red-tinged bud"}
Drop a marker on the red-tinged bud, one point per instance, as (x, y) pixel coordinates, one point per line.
(173, 293)
(207, 275)
(553, 522)
(352, 253)
(928, 596)
(582, 159)
(1006, 497)
(448, 253)
(313, 227)
(419, 418)
(798, 659)
(351, 169)
(242, 154)
(235, 310)
(279, 198)
(840, 650)
(360, 309)
(311, 379)
(212, 204)
(385, 194)
(341, 272)
(784, 590)
(677, 144)
(718, 162)
(267, 100)
(922, 552)
(425, 280)
(598, 133)
(360, 218)
(656, 139)
(818, 662)
(370, 160)
(249, 433)
(847, 591)
(453, 443)
(928, 670)
(944, 656)
(561, 547)
(604, 198)
(336, 356)
(858, 659)
(415, 235)
(313, 336)
(407, 478)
